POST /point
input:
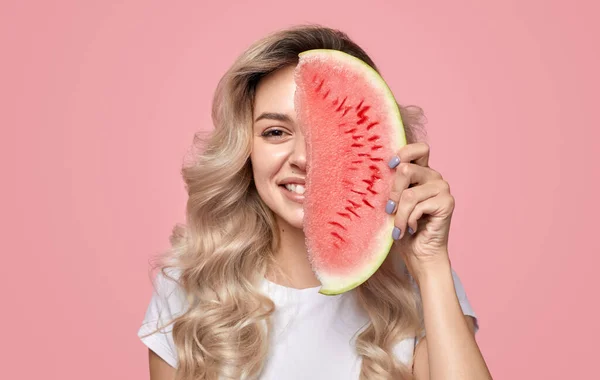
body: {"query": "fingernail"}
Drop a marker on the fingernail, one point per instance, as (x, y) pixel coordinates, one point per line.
(395, 161)
(396, 233)
(410, 231)
(390, 206)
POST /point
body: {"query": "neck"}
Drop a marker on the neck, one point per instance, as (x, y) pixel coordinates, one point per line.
(293, 268)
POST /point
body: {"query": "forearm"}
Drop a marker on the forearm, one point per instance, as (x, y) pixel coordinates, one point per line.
(451, 347)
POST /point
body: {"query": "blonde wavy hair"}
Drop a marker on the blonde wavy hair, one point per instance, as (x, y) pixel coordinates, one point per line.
(224, 250)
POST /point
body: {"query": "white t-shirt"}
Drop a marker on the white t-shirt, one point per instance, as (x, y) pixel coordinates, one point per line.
(314, 335)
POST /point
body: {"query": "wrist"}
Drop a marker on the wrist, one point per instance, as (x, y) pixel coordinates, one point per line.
(432, 268)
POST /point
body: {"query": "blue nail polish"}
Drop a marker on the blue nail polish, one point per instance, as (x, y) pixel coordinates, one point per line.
(410, 231)
(395, 161)
(396, 233)
(390, 206)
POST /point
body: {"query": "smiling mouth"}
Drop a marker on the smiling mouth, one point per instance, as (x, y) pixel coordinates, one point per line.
(293, 188)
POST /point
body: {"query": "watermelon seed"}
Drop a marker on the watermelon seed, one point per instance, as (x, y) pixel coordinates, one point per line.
(357, 162)
(356, 205)
(348, 108)
(364, 155)
(347, 182)
(373, 138)
(375, 159)
(367, 203)
(373, 167)
(338, 236)
(357, 137)
(345, 215)
(342, 104)
(372, 191)
(352, 211)
(320, 85)
(372, 125)
(336, 245)
(361, 113)
(336, 101)
(358, 192)
(376, 147)
(338, 225)
(352, 168)
(359, 104)
(326, 94)
(357, 145)
(368, 182)
(350, 130)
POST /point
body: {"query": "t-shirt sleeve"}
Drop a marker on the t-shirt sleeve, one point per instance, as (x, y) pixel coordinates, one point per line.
(165, 304)
(463, 299)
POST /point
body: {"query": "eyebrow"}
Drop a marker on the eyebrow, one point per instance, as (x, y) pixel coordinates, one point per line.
(274, 116)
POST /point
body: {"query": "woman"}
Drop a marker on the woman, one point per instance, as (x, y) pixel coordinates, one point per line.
(236, 297)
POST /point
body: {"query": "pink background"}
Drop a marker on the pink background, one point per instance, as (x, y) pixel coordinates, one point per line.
(100, 100)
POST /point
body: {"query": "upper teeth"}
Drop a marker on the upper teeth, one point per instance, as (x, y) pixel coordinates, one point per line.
(298, 189)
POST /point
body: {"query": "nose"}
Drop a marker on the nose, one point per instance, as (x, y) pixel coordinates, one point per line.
(298, 156)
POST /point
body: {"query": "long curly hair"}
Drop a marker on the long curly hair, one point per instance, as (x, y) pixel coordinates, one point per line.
(224, 250)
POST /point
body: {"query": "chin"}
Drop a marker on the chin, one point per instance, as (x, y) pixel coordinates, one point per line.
(297, 224)
(294, 219)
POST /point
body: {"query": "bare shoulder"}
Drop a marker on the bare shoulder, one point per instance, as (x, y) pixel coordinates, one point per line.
(159, 369)
(421, 358)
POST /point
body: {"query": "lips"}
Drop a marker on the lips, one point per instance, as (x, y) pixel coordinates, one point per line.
(291, 195)
(295, 188)
(291, 188)
(292, 181)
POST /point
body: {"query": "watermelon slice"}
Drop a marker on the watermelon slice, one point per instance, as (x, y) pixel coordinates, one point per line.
(352, 127)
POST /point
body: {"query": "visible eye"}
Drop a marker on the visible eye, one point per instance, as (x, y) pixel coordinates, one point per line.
(273, 133)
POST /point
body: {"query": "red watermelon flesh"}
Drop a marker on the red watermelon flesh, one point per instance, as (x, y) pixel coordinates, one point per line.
(352, 127)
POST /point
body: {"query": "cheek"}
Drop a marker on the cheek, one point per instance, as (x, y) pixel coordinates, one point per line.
(262, 171)
(267, 160)
(259, 169)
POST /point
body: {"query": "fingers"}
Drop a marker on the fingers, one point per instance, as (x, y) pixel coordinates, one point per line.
(412, 205)
(411, 174)
(430, 206)
(409, 203)
(417, 153)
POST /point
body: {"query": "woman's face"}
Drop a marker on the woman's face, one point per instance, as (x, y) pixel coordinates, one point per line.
(278, 151)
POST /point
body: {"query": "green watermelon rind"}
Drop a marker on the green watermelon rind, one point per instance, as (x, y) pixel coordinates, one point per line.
(385, 241)
(364, 276)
